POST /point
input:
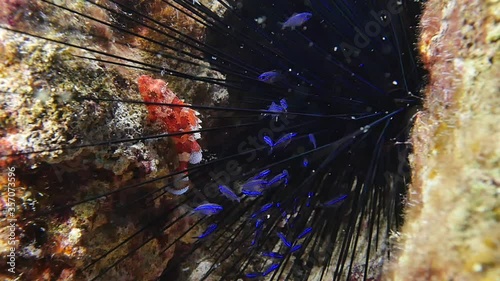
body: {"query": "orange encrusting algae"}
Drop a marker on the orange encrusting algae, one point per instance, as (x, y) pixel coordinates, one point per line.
(172, 119)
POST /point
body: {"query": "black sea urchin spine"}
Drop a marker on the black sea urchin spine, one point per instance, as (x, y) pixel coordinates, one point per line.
(312, 150)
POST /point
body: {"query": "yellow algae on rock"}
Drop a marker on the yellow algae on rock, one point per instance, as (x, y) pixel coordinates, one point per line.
(452, 229)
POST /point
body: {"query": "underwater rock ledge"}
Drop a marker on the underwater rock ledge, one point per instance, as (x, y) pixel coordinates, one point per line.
(452, 229)
(39, 81)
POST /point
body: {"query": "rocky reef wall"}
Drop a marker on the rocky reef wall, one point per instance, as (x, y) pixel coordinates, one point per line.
(452, 229)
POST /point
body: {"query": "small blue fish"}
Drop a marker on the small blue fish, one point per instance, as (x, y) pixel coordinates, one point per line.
(274, 181)
(296, 20)
(211, 228)
(258, 223)
(309, 196)
(305, 163)
(254, 240)
(284, 104)
(262, 174)
(253, 274)
(268, 140)
(278, 179)
(304, 233)
(208, 209)
(254, 185)
(296, 248)
(272, 255)
(256, 237)
(283, 238)
(312, 139)
(285, 139)
(271, 269)
(334, 201)
(228, 193)
(262, 210)
(266, 207)
(276, 108)
(285, 176)
(269, 77)
(284, 173)
(284, 214)
(251, 193)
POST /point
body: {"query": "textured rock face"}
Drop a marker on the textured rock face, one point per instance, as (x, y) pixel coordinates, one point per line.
(452, 224)
(452, 229)
(40, 82)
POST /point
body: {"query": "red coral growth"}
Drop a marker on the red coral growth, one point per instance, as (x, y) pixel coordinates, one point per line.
(172, 118)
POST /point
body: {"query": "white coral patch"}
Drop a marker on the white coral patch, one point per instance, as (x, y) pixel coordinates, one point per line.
(196, 157)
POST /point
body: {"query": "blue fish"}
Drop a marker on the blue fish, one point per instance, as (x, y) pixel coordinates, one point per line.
(251, 193)
(268, 140)
(282, 108)
(256, 237)
(271, 269)
(284, 173)
(208, 209)
(262, 210)
(285, 139)
(333, 202)
(278, 179)
(272, 255)
(309, 196)
(254, 240)
(304, 233)
(296, 248)
(269, 76)
(254, 185)
(266, 207)
(283, 238)
(258, 223)
(262, 174)
(312, 139)
(296, 20)
(305, 163)
(253, 274)
(282, 142)
(284, 104)
(274, 181)
(276, 108)
(228, 193)
(210, 229)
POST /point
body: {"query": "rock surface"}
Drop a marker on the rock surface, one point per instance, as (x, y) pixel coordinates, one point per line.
(452, 229)
(41, 110)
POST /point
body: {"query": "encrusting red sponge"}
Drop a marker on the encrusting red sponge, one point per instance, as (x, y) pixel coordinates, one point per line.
(173, 119)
